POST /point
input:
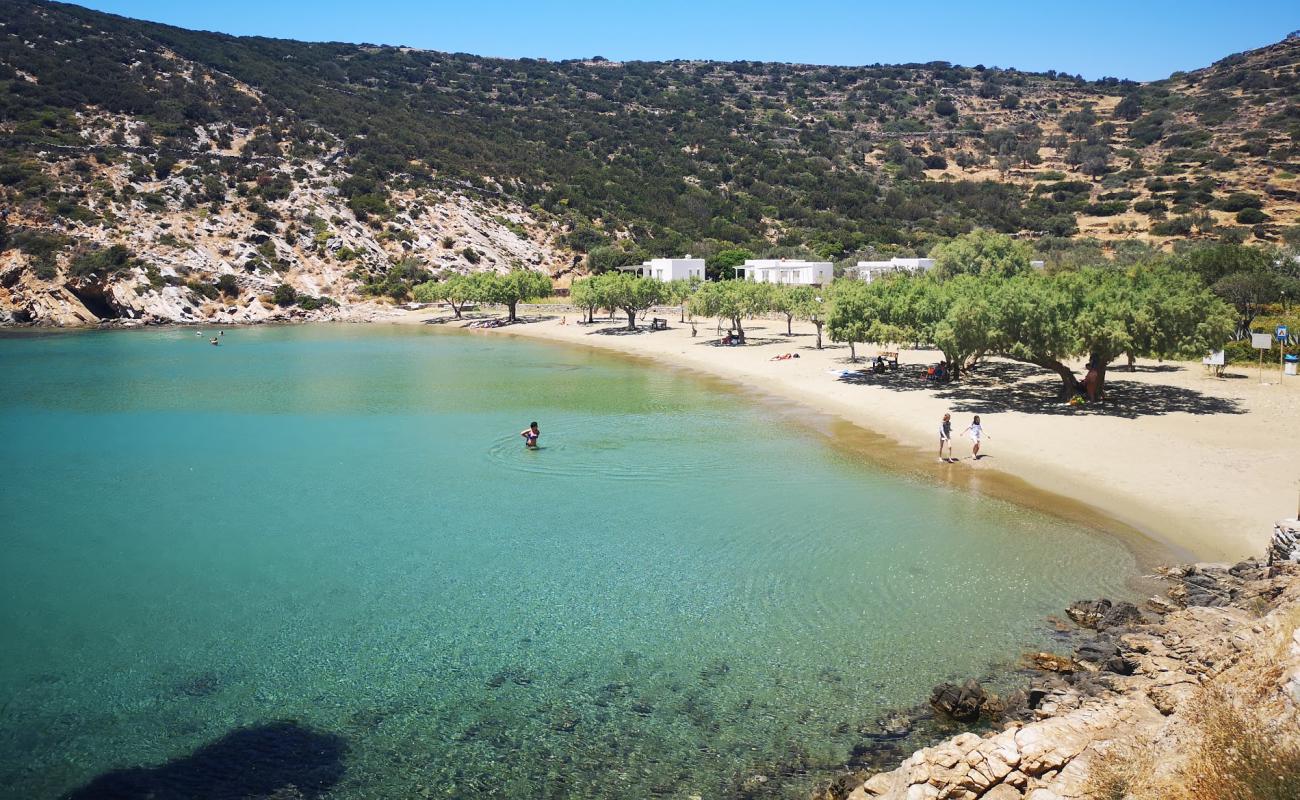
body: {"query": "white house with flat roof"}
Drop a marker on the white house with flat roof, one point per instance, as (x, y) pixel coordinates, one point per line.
(870, 270)
(790, 271)
(669, 269)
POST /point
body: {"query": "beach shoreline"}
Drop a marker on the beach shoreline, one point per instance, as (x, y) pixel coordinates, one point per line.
(1200, 474)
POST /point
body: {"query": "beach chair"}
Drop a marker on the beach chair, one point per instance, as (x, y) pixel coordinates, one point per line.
(658, 324)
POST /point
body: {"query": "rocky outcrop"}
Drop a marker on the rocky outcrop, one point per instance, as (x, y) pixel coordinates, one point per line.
(1134, 681)
(310, 239)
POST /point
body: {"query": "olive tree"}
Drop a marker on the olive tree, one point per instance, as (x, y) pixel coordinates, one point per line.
(809, 304)
(1103, 314)
(630, 293)
(455, 290)
(513, 287)
(585, 293)
(981, 252)
(733, 300)
(852, 314)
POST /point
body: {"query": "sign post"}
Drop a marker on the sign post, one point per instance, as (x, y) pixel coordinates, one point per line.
(1280, 333)
(1261, 342)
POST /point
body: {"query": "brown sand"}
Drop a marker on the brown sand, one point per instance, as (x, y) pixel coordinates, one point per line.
(1202, 465)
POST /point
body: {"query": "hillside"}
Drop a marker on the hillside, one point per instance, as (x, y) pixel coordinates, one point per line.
(349, 171)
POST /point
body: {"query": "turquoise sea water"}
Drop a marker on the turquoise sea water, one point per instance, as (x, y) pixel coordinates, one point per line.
(339, 527)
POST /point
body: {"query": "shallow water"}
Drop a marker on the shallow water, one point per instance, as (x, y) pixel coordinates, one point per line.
(338, 526)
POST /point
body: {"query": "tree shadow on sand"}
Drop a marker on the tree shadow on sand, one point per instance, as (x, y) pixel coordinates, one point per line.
(1011, 386)
(622, 330)
(245, 763)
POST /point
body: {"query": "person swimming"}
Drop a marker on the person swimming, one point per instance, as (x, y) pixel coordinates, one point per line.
(215, 341)
(530, 435)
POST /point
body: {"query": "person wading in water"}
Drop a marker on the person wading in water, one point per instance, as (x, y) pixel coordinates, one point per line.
(530, 435)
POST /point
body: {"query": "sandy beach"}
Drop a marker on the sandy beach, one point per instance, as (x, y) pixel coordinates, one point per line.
(1201, 465)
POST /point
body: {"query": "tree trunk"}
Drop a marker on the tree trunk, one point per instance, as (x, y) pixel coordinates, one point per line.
(789, 323)
(818, 325)
(456, 308)
(631, 318)
(740, 332)
(1132, 362)
(1069, 383)
(853, 353)
(591, 315)
(682, 308)
(511, 305)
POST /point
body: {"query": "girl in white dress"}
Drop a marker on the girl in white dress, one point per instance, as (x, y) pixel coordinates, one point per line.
(976, 432)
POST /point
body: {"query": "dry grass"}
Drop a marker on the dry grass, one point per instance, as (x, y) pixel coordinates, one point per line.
(1242, 740)
(1241, 753)
(1122, 770)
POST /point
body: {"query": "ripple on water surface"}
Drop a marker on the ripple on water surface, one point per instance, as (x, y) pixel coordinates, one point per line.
(339, 526)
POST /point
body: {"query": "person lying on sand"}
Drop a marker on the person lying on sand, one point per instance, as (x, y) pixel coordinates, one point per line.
(530, 434)
(785, 356)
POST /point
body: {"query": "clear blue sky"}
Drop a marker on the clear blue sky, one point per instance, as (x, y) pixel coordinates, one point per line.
(1137, 39)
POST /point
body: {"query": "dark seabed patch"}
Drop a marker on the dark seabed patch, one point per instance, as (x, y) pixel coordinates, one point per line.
(245, 763)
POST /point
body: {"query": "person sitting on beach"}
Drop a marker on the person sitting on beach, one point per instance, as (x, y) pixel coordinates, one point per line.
(941, 372)
(530, 435)
(878, 366)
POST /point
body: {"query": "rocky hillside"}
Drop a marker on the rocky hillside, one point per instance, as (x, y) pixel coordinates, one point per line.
(150, 172)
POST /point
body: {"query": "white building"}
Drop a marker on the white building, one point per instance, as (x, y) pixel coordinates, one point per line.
(669, 269)
(870, 270)
(789, 271)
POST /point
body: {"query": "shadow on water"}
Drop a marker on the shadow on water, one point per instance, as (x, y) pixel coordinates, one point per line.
(245, 763)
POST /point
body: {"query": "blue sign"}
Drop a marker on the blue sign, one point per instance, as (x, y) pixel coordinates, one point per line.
(1281, 333)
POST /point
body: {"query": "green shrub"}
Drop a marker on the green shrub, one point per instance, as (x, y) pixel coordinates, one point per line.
(1178, 226)
(313, 303)
(205, 290)
(1251, 216)
(1238, 201)
(1106, 209)
(284, 295)
(227, 285)
(104, 261)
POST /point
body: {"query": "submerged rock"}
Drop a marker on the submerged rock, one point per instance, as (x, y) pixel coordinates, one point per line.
(962, 703)
(1087, 613)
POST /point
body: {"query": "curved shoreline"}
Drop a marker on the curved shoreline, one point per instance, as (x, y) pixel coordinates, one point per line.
(1174, 491)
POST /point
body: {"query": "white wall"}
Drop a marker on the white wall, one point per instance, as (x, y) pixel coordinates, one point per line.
(670, 269)
(788, 271)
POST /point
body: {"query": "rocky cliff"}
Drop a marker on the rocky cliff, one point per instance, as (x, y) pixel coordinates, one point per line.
(1194, 697)
(207, 243)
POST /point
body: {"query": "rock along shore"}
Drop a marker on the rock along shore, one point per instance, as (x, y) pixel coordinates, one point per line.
(1125, 714)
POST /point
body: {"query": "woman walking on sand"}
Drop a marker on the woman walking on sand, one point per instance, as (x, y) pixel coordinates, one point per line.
(976, 432)
(945, 438)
